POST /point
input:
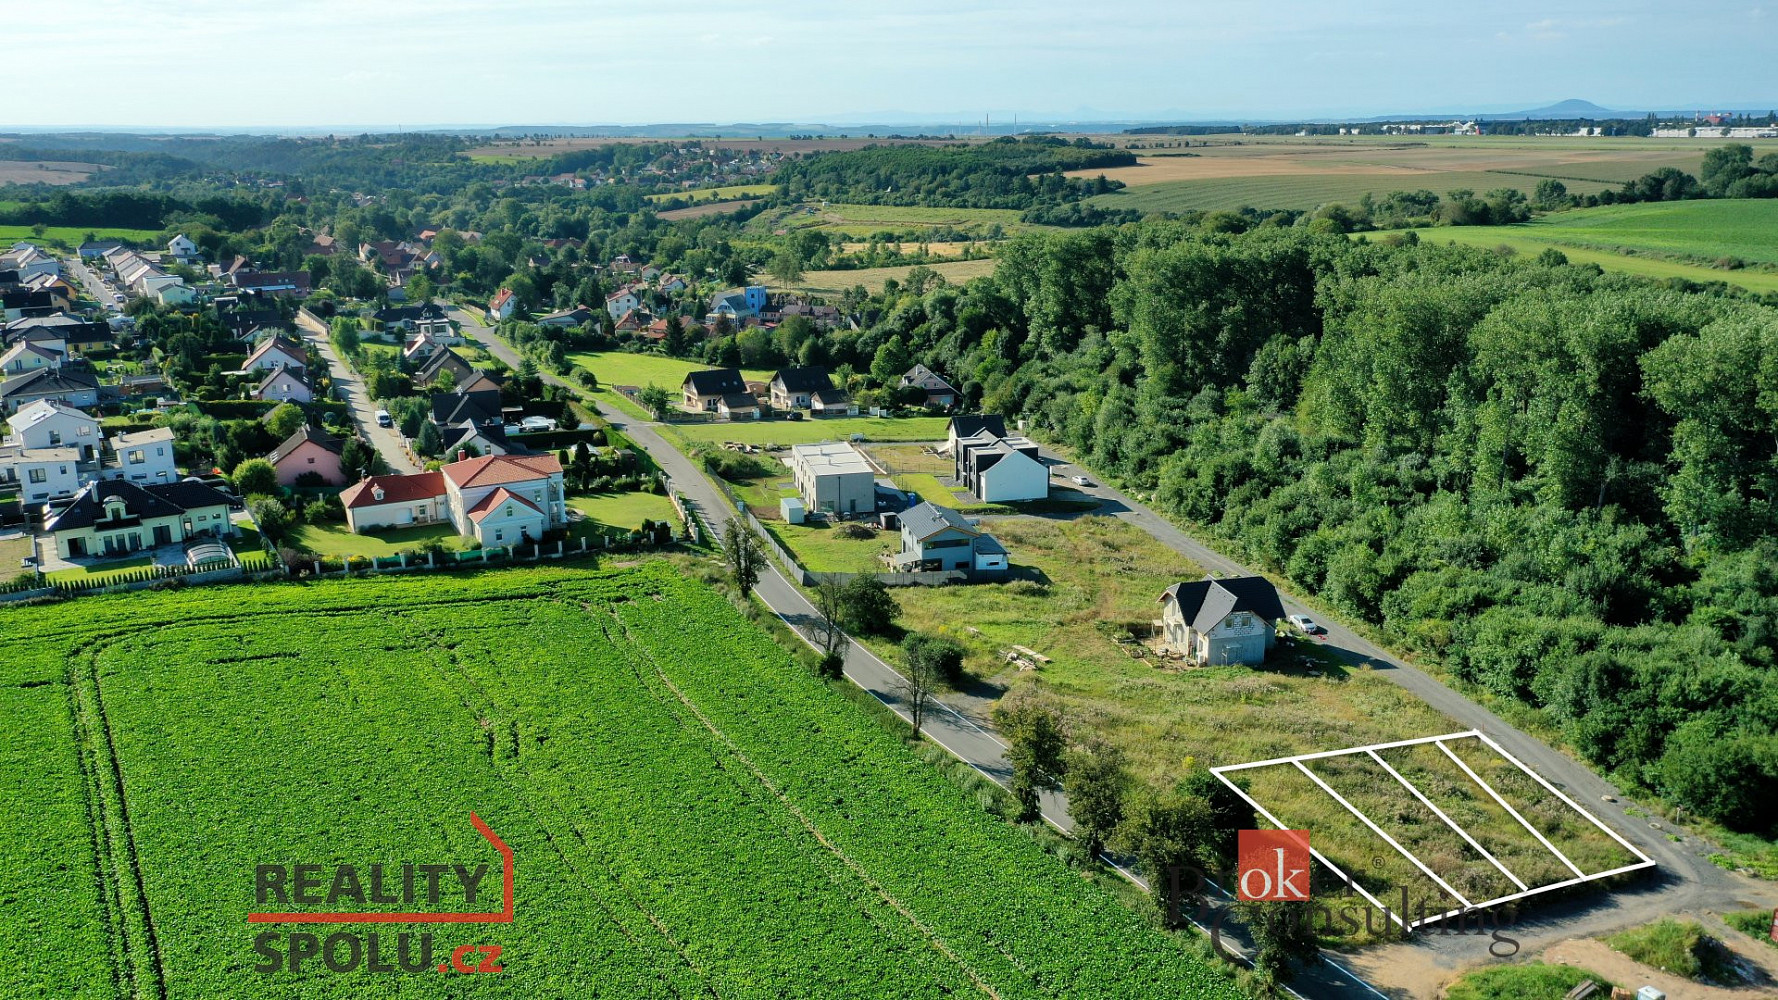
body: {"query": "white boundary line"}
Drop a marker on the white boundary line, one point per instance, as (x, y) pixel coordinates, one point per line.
(1580, 877)
(1515, 813)
(1440, 813)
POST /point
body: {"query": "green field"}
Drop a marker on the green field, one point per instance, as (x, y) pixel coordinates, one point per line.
(1308, 191)
(690, 813)
(1658, 240)
(820, 549)
(728, 193)
(622, 368)
(625, 510)
(68, 238)
(788, 432)
(864, 220)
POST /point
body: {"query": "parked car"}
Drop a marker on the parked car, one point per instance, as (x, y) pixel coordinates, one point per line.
(1306, 625)
(384, 420)
(1080, 480)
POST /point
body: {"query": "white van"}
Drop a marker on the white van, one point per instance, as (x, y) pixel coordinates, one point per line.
(384, 420)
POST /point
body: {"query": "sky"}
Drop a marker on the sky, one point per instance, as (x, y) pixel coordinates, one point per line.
(387, 63)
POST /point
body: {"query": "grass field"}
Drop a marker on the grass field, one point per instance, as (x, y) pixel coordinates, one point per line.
(68, 238)
(728, 193)
(864, 220)
(690, 813)
(100, 572)
(707, 208)
(55, 172)
(1288, 172)
(625, 510)
(788, 432)
(872, 278)
(820, 549)
(338, 541)
(1660, 240)
(621, 368)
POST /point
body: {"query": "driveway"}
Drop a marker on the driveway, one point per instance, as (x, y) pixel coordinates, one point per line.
(387, 440)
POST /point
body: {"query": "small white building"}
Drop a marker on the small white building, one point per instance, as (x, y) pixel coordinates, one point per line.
(620, 302)
(792, 510)
(182, 249)
(41, 473)
(143, 457)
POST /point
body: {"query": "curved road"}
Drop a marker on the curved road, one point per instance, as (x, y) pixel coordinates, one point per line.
(1684, 880)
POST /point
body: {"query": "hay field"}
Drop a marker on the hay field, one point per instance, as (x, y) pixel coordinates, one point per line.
(46, 171)
(834, 282)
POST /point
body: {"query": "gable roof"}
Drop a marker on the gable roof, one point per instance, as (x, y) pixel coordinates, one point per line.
(159, 500)
(308, 435)
(715, 381)
(456, 407)
(1203, 603)
(972, 424)
(37, 411)
(295, 351)
(396, 489)
(48, 380)
(487, 504)
(927, 379)
(739, 401)
(928, 519)
(281, 369)
(495, 470)
(441, 359)
(803, 380)
(501, 298)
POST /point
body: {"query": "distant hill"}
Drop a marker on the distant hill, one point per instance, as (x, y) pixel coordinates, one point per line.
(1564, 110)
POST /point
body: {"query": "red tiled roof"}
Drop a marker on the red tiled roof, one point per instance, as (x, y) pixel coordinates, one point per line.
(495, 499)
(495, 470)
(501, 297)
(396, 489)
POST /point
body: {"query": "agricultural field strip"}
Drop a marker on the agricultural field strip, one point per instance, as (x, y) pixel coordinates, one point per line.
(1439, 741)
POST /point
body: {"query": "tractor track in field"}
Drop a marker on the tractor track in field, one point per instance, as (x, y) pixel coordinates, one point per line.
(483, 707)
(857, 869)
(137, 964)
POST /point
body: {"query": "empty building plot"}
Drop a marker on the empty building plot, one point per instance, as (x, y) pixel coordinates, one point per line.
(1466, 825)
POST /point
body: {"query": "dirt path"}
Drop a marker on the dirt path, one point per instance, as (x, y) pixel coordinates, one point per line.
(1595, 956)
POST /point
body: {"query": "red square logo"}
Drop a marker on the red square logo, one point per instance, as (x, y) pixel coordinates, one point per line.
(1272, 864)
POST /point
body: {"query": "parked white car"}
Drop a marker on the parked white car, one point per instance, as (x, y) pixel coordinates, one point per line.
(1306, 625)
(1080, 480)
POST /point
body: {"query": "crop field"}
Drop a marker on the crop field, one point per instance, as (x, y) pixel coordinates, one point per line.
(67, 238)
(703, 209)
(46, 171)
(863, 220)
(872, 278)
(1304, 173)
(728, 193)
(690, 813)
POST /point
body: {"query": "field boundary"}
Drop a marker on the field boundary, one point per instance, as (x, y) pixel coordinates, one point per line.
(1297, 761)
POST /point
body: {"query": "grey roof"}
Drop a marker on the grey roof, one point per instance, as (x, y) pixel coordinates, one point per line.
(296, 372)
(1203, 603)
(803, 380)
(295, 441)
(927, 379)
(740, 401)
(928, 519)
(159, 500)
(46, 381)
(975, 423)
(988, 545)
(715, 381)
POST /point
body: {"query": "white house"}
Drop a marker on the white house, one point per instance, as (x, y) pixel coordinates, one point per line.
(495, 499)
(174, 293)
(41, 473)
(73, 389)
(29, 261)
(182, 249)
(621, 301)
(940, 538)
(504, 304)
(25, 356)
(46, 424)
(143, 457)
(274, 351)
(795, 388)
(285, 385)
(996, 466)
(116, 517)
(1217, 622)
(834, 478)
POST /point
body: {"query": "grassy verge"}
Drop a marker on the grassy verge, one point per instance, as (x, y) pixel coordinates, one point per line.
(822, 546)
(1680, 947)
(1532, 981)
(789, 432)
(1754, 923)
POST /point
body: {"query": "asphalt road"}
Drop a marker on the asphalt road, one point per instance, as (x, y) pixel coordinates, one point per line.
(387, 440)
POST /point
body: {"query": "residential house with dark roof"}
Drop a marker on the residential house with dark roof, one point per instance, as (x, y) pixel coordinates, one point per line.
(996, 466)
(1224, 621)
(75, 389)
(704, 389)
(444, 360)
(795, 388)
(939, 393)
(284, 384)
(115, 517)
(935, 538)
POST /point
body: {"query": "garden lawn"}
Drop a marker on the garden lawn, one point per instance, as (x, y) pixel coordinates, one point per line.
(247, 547)
(624, 368)
(690, 812)
(788, 432)
(819, 549)
(625, 510)
(337, 541)
(100, 572)
(929, 488)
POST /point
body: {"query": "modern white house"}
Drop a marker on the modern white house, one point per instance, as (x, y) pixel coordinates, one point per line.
(117, 517)
(48, 424)
(935, 538)
(143, 457)
(41, 473)
(1218, 622)
(998, 468)
(182, 249)
(834, 478)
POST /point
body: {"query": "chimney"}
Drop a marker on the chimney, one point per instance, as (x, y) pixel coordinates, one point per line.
(462, 456)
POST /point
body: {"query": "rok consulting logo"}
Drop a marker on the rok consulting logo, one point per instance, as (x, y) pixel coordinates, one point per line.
(437, 886)
(1272, 865)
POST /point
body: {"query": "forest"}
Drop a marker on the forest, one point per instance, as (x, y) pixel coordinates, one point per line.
(1004, 173)
(1557, 484)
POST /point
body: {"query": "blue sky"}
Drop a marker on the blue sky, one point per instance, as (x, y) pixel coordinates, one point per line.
(377, 63)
